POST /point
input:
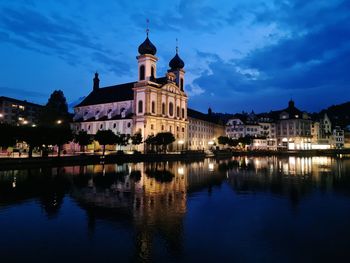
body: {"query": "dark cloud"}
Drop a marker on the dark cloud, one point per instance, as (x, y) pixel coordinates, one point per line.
(120, 68)
(53, 35)
(22, 93)
(189, 15)
(314, 56)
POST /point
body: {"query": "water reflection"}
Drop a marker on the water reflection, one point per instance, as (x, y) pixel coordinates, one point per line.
(152, 198)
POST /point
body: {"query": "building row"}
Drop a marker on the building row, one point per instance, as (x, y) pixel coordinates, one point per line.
(289, 128)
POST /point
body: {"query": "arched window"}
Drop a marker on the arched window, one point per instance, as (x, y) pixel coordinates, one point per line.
(182, 84)
(140, 106)
(101, 126)
(183, 113)
(153, 107)
(142, 72)
(152, 72)
(178, 111)
(171, 109)
(163, 108)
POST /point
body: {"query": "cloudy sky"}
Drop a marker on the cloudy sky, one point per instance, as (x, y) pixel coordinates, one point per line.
(239, 55)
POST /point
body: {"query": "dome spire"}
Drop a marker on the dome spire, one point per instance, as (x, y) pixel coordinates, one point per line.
(177, 46)
(147, 26)
(176, 62)
(147, 46)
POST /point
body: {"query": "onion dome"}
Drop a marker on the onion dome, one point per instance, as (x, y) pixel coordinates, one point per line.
(147, 47)
(176, 62)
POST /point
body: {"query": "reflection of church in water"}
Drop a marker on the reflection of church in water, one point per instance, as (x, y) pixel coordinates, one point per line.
(153, 195)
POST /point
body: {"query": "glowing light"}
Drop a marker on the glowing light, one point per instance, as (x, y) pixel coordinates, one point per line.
(211, 167)
(181, 142)
(180, 171)
(59, 121)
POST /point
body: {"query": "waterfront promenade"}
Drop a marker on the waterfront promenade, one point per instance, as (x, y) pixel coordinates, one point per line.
(16, 161)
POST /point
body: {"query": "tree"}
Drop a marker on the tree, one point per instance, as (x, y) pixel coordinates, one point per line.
(59, 136)
(34, 137)
(122, 140)
(151, 141)
(55, 112)
(223, 140)
(105, 137)
(8, 135)
(164, 139)
(136, 139)
(83, 139)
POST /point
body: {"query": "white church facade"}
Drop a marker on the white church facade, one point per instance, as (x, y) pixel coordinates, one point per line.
(148, 106)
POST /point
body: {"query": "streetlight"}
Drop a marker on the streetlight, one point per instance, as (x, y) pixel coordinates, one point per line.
(59, 121)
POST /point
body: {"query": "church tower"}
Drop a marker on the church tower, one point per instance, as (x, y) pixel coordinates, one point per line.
(147, 61)
(176, 65)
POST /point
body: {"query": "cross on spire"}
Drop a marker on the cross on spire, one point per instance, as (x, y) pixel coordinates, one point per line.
(177, 46)
(147, 26)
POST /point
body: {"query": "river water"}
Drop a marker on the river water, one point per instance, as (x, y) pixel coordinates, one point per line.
(244, 209)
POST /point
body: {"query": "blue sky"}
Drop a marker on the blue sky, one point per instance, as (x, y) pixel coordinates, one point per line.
(239, 55)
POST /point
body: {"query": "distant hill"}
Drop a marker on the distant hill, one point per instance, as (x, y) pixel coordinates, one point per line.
(339, 114)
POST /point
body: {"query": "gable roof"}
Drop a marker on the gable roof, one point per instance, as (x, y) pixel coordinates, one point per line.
(115, 93)
(109, 94)
(202, 116)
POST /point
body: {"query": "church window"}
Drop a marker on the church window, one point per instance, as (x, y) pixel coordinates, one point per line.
(182, 84)
(178, 111)
(114, 125)
(101, 126)
(140, 106)
(153, 107)
(142, 72)
(163, 108)
(183, 113)
(152, 72)
(171, 109)
(152, 126)
(162, 127)
(129, 124)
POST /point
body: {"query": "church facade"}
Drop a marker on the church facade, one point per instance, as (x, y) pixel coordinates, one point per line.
(148, 106)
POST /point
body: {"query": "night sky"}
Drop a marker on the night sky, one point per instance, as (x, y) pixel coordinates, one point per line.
(239, 55)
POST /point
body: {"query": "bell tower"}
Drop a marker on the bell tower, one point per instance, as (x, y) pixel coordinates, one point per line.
(146, 60)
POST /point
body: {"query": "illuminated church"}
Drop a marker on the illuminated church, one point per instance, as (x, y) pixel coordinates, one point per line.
(148, 106)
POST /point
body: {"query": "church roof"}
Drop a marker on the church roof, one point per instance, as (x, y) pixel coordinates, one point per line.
(115, 93)
(109, 94)
(202, 116)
